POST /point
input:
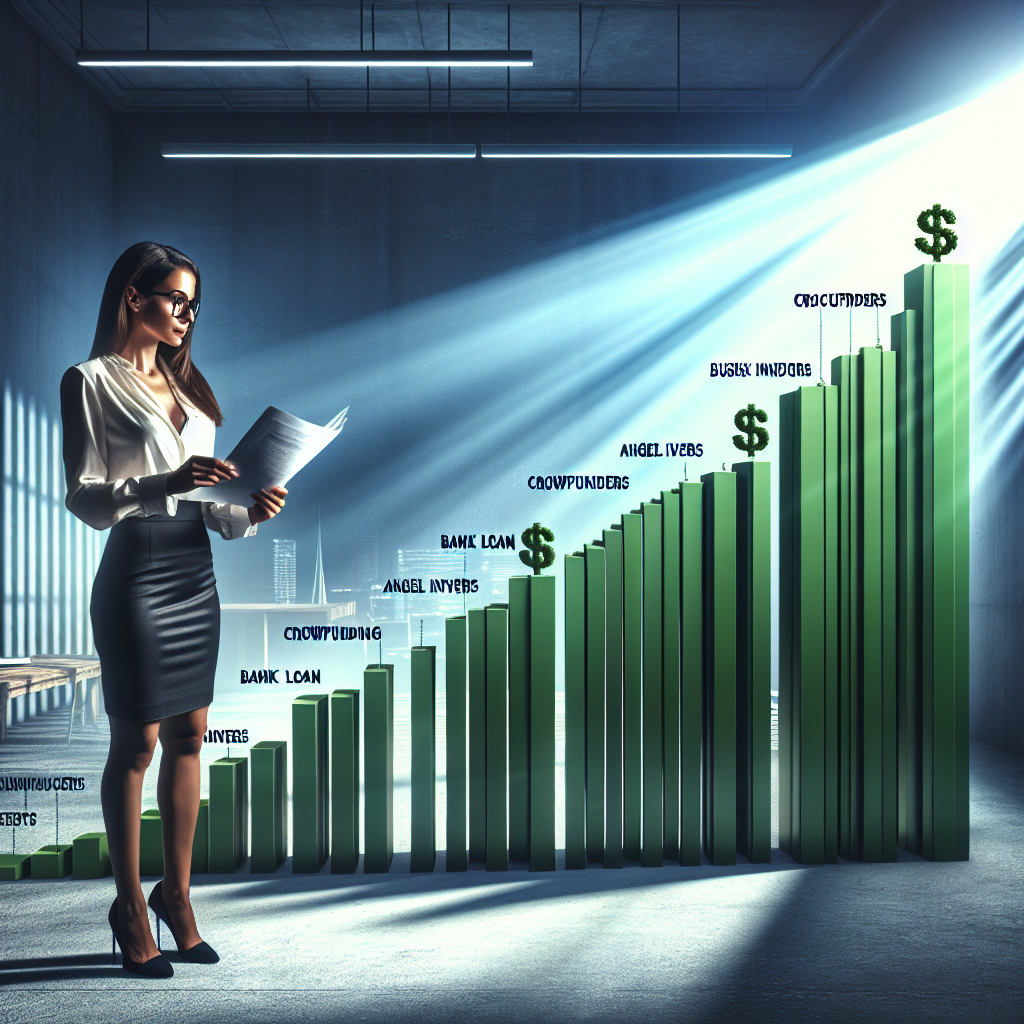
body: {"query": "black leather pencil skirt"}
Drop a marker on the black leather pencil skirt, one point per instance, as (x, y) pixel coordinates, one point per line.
(156, 616)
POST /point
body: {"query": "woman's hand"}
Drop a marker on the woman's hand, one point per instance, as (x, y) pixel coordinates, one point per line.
(199, 471)
(269, 502)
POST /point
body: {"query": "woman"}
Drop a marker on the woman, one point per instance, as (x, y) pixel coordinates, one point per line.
(139, 424)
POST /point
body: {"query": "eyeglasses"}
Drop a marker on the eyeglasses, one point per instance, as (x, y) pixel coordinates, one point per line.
(179, 300)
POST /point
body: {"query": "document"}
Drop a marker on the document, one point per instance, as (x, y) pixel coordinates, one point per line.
(273, 450)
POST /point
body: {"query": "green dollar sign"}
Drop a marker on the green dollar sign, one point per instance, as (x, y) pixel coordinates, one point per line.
(943, 240)
(744, 420)
(540, 555)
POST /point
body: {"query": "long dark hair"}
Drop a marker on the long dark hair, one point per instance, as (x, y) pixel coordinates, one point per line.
(143, 266)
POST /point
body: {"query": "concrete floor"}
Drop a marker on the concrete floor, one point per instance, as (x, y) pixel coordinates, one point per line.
(778, 942)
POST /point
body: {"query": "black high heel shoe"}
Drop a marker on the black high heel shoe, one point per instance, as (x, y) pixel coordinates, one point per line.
(200, 953)
(155, 967)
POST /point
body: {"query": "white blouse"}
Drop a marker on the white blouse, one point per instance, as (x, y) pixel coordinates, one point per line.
(120, 447)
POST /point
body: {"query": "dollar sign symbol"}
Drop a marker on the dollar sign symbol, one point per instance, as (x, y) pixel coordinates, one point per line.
(943, 240)
(745, 421)
(540, 555)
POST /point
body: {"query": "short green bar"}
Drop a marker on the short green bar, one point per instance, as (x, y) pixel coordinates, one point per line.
(91, 856)
(542, 723)
(151, 849)
(423, 698)
(670, 638)
(652, 694)
(53, 861)
(575, 712)
(497, 737)
(345, 777)
(594, 559)
(519, 718)
(378, 766)
(269, 806)
(632, 674)
(455, 742)
(201, 840)
(229, 814)
(691, 685)
(613, 698)
(15, 866)
(754, 661)
(477, 626)
(310, 783)
(720, 667)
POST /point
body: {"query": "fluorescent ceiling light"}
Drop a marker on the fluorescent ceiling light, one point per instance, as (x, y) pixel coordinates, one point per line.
(596, 151)
(317, 151)
(304, 58)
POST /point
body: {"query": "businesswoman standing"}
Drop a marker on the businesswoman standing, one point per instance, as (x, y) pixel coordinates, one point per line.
(139, 424)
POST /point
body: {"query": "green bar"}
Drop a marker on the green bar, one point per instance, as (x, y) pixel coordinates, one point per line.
(379, 766)
(269, 805)
(670, 638)
(229, 814)
(906, 342)
(595, 622)
(652, 690)
(455, 742)
(691, 612)
(497, 737)
(423, 698)
(476, 620)
(542, 723)
(890, 770)
(14, 866)
(632, 669)
(720, 666)
(53, 861)
(151, 849)
(575, 712)
(754, 661)
(519, 718)
(345, 773)
(613, 698)
(201, 840)
(91, 856)
(788, 622)
(830, 431)
(962, 562)
(310, 784)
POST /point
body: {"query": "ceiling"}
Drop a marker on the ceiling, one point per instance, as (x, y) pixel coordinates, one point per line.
(731, 55)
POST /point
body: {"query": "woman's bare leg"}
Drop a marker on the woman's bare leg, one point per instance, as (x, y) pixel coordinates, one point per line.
(131, 751)
(177, 793)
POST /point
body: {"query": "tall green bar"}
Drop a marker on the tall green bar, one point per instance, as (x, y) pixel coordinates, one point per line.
(542, 723)
(455, 742)
(575, 712)
(151, 851)
(310, 784)
(939, 455)
(594, 558)
(613, 698)
(720, 667)
(345, 775)
(269, 805)
(497, 737)
(423, 698)
(809, 624)
(670, 659)
(229, 814)
(379, 767)
(754, 661)
(632, 675)
(201, 840)
(691, 673)
(477, 627)
(519, 718)
(652, 689)
(91, 857)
